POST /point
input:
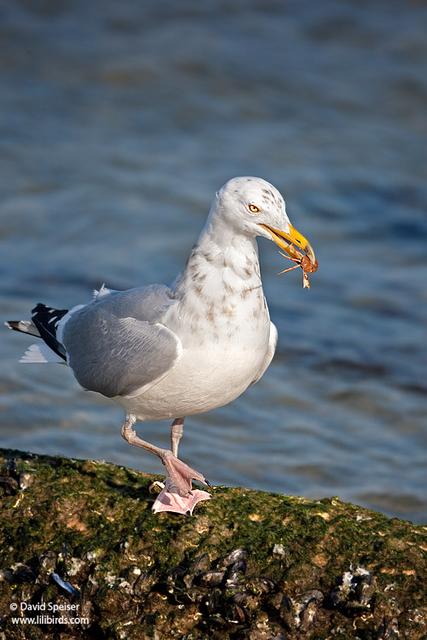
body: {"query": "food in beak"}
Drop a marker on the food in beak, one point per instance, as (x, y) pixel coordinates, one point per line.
(298, 250)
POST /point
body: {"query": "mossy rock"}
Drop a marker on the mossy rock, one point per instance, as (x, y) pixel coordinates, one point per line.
(248, 564)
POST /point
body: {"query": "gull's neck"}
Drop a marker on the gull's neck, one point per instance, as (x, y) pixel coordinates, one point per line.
(219, 293)
(221, 262)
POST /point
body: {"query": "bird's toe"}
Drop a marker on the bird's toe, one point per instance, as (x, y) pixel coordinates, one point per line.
(180, 475)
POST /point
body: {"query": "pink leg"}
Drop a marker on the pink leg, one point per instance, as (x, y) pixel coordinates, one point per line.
(179, 474)
(177, 431)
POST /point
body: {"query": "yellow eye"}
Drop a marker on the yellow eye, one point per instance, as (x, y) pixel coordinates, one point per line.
(253, 208)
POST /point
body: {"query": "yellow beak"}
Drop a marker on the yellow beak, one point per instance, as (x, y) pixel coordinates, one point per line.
(289, 242)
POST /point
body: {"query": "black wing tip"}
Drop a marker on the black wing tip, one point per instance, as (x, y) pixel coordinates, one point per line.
(14, 325)
(46, 320)
(40, 307)
(44, 308)
(23, 326)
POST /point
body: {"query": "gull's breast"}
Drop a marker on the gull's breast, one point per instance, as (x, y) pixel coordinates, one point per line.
(225, 341)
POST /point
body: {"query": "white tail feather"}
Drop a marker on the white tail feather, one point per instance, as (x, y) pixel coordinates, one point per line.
(40, 353)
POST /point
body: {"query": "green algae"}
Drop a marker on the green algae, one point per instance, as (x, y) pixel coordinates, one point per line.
(247, 564)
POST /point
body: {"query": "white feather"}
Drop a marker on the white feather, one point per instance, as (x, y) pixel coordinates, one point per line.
(103, 291)
(40, 353)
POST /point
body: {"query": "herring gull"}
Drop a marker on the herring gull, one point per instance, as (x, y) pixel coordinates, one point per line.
(170, 352)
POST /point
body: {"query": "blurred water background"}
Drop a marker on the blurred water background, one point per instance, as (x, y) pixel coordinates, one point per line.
(119, 120)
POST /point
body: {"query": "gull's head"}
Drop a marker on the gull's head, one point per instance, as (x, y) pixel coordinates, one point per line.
(254, 207)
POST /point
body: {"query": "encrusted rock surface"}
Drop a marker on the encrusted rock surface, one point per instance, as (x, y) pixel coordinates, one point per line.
(247, 564)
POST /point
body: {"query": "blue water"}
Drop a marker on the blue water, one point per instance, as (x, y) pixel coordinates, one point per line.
(119, 120)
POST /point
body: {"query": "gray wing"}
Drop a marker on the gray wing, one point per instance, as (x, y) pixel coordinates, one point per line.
(117, 344)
